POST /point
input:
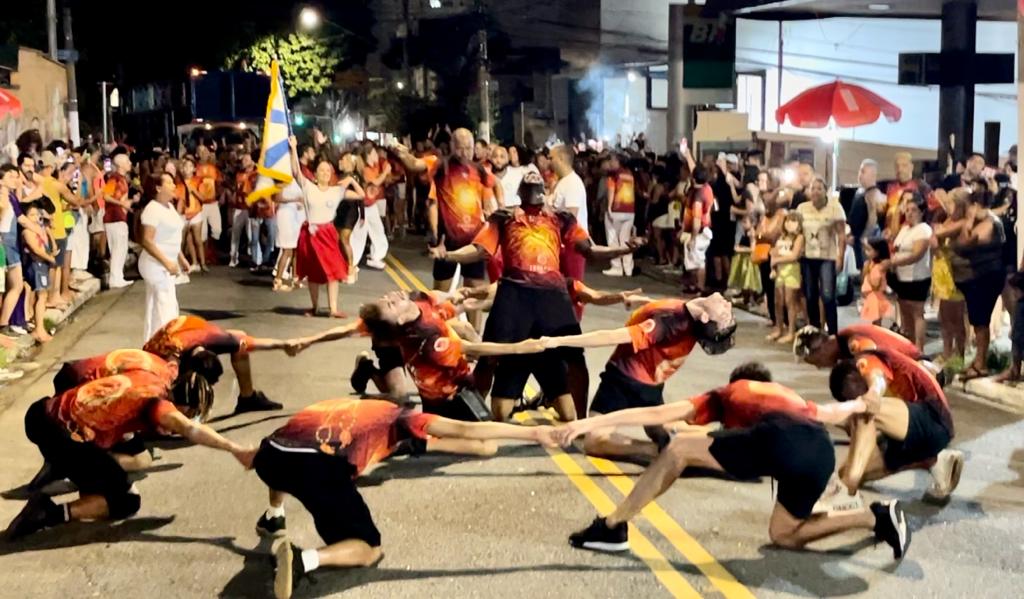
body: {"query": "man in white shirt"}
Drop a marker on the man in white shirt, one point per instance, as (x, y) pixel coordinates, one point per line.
(570, 193)
(509, 176)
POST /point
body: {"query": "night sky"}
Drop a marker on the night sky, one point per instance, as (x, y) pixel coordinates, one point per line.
(132, 41)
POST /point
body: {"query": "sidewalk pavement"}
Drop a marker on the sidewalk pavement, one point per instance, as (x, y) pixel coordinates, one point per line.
(986, 390)
(25, 346)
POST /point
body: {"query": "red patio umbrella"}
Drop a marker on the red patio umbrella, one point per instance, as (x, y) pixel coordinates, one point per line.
(847, 104)
(9, 104)
(838, 103)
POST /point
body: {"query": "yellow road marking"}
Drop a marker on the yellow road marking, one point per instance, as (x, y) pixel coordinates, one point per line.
(716, 573)
(408, 274)
(397, 279)
(639, 544)
(680, 539)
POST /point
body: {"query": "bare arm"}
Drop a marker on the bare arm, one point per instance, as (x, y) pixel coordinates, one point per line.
(464, 255)
(604, 338)
(839, 413)
(341, 332)
(38, 249)
(920, 247)
(652, 416)
(410, 162)
(601, 252)
(530, 346)
(200, 434)
(446, 428)
(605, 298)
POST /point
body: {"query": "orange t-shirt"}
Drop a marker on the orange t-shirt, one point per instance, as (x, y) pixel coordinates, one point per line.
(104, 410)
(621, 196)
(245, 182)
(531, 241)
(206, 179)
(185, 333)
(744, 403)
(662, 333)
(116, 187)
(906, 379)
(460, 191)
(362, 431)
(373, 192)
(857, 338)
(76, 372)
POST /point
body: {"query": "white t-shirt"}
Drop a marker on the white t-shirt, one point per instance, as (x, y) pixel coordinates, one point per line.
(819, 229)
(922, 269)
(570, 192)
(322, 204)
(168, 225)
(510, 181)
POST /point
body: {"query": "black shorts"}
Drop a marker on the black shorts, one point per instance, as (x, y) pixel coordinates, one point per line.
(926, 437)
(389, 357)
(980, 294)
(911, 291)
(445, 270)
(522, 312)
(619, 392)
(348, 214)
(62, 246)
(323, 485)
(93, 470)
(457, 408)
(797, 453)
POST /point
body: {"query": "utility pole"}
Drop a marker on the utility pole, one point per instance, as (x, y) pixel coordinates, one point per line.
(69, 47)
(106, 110)
(484, 78)
(406, 69)
(51, 27)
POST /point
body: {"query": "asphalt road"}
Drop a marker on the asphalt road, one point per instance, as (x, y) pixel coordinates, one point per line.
(498, 527)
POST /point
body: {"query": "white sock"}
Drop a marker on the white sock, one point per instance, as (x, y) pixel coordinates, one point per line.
(310, 560)
(275, 512)
(67, 512)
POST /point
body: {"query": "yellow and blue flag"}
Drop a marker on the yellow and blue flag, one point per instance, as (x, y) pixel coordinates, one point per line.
(275, 163)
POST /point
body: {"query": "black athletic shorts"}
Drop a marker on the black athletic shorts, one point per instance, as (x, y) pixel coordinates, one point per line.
(797, 453)
(619, 392)
(445, 270)
(523, 312)
(323, 485)
(911, 291)
(389, 357)
(93, 470)
(926, 437)
(348, 214)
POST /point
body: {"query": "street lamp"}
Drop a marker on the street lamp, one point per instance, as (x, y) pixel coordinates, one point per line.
(309, 18)
(400, 85)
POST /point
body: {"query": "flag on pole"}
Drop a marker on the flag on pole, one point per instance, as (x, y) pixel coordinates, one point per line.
(275, 163)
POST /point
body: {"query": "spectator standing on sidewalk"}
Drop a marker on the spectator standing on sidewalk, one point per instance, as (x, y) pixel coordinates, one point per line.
(824, 227)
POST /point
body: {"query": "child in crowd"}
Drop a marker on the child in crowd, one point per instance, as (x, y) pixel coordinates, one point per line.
(1016, 285)
(785, 261)
(40, 243)
(744, 275)
(876, 305)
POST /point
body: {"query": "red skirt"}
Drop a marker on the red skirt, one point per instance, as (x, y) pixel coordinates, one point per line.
(318, 257)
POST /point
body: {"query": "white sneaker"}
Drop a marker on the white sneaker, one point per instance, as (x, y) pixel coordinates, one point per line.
(949, 464)
(612, 272)
(837, 498)
(234, 262)
(193, 268)
(375, 264)
(122, 285)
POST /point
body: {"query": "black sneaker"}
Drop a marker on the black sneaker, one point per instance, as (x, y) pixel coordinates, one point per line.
(288, 570)
(599, 537)
(257, 402)
(270, 527)
(891, 526)
(39, 513)
(362, 373)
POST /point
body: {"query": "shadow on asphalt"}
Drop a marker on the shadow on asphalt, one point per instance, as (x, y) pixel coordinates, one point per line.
(256, 577)
(813, 572)
(65, 486)
(90, 533)
(213, 315)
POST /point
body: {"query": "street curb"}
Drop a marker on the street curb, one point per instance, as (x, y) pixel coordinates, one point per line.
(26, 346)
(989, 391)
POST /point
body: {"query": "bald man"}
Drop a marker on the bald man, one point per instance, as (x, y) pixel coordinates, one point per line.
(115, 219)
(460, 188)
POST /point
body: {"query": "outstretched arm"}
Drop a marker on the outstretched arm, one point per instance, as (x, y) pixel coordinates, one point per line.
(341, 332)
(467, 254)
(839, 413)
(410, 162)
(652, 416)
(594, 339)
(446, 428)
(588, 295)
(484, 348)
(603, 252)
(200, 434)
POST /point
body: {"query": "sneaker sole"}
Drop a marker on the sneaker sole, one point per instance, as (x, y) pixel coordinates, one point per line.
(283, 572)
(604, 547)
(954, 481)
(899, 520)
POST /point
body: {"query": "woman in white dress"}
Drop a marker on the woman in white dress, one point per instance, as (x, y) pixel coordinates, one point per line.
(162, 259)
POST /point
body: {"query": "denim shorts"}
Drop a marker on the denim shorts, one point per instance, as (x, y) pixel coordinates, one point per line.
(12, 249)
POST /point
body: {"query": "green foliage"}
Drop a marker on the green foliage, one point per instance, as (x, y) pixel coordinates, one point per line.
(307, 63)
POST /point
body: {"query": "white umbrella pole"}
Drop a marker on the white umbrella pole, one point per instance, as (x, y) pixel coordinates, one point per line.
(835, 163)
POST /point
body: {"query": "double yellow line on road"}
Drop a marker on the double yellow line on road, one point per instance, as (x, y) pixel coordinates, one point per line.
(676, 584)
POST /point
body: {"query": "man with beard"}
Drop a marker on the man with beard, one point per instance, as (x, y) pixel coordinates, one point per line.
(650, 348)
(531, 299)
(509, 176)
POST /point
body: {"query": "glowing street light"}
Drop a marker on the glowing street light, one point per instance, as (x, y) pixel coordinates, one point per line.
(399, 85)
(631, 76)
(309, 18)
(347, 126)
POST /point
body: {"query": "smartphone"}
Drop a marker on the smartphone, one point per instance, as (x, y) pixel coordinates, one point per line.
(107, 165)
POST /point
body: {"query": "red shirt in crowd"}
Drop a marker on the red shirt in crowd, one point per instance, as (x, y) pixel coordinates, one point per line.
(531, 242)
(207, 178)
(104, 410)
(188, 332)
(363, 431)
(460, 191)
(245, 182)
(662, 333)
(744, 403)
(621, 193)
(906, 379)
(116, 187)
(373, 191)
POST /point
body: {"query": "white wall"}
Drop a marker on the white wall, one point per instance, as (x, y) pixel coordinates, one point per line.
(866, 52)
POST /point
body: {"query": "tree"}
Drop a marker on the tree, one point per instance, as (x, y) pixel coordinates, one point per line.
(307, 63)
